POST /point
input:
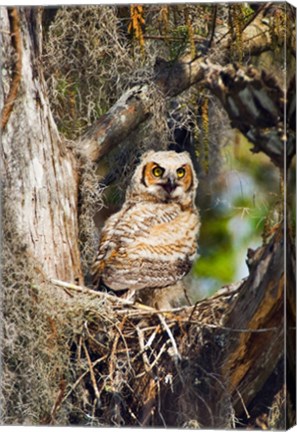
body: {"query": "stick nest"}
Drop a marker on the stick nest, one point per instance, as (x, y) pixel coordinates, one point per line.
(133, 360)
(75, 356)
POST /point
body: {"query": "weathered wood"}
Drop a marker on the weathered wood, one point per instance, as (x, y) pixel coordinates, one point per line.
(253, 354)
(253, 100)
(113, 127)
(241, 345)
(39, 173)
(255, 104)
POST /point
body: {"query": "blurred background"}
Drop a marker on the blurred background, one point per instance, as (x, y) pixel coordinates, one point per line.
(238, 208)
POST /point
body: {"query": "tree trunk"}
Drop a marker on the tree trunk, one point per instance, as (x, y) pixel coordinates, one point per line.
(39, 172)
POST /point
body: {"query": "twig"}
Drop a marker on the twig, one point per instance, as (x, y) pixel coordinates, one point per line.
(236, 330)
(17, 73)
(94, 409)
(172, 38)
(59, 399)
(243, 404)
(141, 341)
(143, 349)
(152, 365)
(214, 20)
(193, 311)
(93, 378)
(174, 346)
(114, 346)
(82, 376)
(143, 309)
(115, 299)
(152, 336)
(152, 327)
(79, 350)
(221, 327)
(159, 404)
(96, 342)
(249, 21)
(261, 8)
(119, 329)
(90, 292)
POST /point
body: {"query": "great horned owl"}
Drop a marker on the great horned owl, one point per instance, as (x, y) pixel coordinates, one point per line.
(150, 244)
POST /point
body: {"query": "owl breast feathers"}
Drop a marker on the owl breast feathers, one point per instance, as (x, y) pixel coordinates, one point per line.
(152, 241)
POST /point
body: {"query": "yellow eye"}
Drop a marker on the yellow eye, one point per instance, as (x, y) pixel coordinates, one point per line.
(180, 173)
(158, 171)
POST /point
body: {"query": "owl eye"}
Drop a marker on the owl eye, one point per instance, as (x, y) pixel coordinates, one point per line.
(180, 173)
(158, 171)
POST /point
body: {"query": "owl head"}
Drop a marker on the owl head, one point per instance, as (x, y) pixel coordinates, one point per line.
(165, 176)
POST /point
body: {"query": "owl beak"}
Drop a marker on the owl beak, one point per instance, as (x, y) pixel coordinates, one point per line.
(169, 186)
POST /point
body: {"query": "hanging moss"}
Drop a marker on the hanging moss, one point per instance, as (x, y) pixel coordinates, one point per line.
(236, 24)
(205, 129)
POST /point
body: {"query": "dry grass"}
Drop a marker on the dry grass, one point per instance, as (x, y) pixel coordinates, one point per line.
(90, 63)
(90, 202)
(74, 356)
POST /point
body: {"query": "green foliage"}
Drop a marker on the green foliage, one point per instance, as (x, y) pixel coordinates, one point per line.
(243, 203)
(217, 251)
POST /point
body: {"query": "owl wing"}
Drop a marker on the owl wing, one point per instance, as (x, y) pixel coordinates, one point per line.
(148, 246)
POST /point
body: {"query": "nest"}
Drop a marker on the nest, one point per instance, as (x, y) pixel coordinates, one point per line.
(74, 356)
(133, 365)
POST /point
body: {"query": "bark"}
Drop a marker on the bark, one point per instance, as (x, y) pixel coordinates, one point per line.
(253, 99)
(125, 116)
(243, 348)
(252, 355)
(38, 171)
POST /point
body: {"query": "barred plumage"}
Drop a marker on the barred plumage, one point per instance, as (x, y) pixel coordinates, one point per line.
(152, 241)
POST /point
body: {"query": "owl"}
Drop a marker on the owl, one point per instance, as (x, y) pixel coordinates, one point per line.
(150, 244)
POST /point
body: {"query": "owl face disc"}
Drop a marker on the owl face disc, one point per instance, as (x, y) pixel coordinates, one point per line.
(166, 175)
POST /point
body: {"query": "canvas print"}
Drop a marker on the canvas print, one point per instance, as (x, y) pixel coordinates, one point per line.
(148, 215)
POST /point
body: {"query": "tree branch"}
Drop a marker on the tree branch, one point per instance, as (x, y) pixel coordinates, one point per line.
(253, 100)
(255, 103)
(252, 356)
(114, 126)
(135, 105)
